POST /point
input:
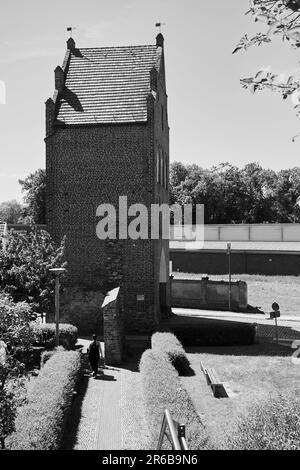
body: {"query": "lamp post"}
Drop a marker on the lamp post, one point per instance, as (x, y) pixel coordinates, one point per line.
(57, 272)
(229, 274)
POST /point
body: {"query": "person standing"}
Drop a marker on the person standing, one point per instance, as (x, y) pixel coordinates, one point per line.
(95, 354)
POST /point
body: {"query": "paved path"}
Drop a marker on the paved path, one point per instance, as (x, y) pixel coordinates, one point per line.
(108, 412)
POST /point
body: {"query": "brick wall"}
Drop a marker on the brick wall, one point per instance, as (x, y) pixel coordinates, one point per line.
(113, 316)
(94, 164)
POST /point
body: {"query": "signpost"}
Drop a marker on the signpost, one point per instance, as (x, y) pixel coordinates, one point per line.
(229, 274)
(275, 314)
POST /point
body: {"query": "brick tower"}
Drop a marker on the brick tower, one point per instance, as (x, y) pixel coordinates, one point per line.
(107, 136)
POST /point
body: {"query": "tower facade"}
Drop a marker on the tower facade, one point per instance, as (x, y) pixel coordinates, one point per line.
(107, 136)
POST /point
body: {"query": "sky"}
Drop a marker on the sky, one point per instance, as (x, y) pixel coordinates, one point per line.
(212, 119)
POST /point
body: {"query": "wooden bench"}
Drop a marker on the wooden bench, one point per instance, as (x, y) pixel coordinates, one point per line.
(213, 380)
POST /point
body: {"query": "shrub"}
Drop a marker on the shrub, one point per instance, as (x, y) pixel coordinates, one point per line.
(162, 389)
(216, 333)
(40, 423)
(46, 355)
(270, 425)
(15, 322)
(44, 335)
(168, 344)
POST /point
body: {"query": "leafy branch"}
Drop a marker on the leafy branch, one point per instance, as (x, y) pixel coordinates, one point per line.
(282, 18)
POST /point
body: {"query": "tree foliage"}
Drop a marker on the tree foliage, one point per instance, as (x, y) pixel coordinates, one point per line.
(10, 211)
(34, 187)
(16, 332)
(232, 195)
(24, 267)
(282, 19)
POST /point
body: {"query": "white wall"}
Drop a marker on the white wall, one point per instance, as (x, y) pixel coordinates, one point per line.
(247, 232)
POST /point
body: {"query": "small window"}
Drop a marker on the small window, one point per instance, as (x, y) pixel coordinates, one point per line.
(162, 118)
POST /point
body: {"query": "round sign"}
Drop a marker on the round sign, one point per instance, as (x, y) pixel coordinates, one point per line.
(275, 306)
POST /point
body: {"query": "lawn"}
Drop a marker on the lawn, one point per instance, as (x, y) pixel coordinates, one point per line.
(264, 290)
(251, 374)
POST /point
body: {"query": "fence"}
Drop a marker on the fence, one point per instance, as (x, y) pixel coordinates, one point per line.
(242, 232)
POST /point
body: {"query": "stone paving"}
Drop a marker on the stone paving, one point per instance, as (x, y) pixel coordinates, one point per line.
(105, 417)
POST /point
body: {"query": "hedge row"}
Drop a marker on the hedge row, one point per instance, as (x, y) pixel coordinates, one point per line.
(40, 423)
(270, 425)
(216, 333)
(163, 390)
(167, 344)
(46, 355)
(44, 335)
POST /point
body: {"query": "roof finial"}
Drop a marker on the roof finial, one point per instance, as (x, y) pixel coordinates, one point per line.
(70, 29)
(159, 37)
(71, 44)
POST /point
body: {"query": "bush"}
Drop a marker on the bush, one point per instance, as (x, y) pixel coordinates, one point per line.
(163, 390)
(44, 335)
(270, 425)
(46, 355)
(40, 423)
(15, 322)
(216, 333)
(167, 343)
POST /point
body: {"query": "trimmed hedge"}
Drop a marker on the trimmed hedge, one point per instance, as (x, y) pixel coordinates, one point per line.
(44, 335)
(162, 389)
(168, 344)
(270, 425)
(40, 423)
(46, 355)
(216, 333)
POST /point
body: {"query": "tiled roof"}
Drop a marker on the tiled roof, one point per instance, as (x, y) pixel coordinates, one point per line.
(107, 85)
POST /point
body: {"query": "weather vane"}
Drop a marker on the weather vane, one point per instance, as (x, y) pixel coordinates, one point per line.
(70, 29)
(159, 25)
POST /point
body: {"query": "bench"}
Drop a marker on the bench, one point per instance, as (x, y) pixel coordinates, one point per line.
(213, 380)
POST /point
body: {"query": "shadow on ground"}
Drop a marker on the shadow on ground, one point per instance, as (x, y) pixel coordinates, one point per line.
(70, 434)
(261, 349)
(226, 336)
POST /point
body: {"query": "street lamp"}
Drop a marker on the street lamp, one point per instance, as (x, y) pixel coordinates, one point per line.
(57, 272)
(229, 274)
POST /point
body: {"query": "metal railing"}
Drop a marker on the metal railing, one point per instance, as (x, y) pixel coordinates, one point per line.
(175, 433)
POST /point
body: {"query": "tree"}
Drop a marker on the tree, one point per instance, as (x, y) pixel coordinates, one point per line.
(24, 267)
(287, 191)
(259, 198)
(10, 211)
(15, 331)
(34, 187)
(282, 18)
(231, 195)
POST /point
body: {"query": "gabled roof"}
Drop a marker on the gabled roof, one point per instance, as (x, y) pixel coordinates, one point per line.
(107, 84)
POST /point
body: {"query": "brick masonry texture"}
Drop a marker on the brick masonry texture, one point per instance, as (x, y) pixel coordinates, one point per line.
(113, 320)
(88, 165)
